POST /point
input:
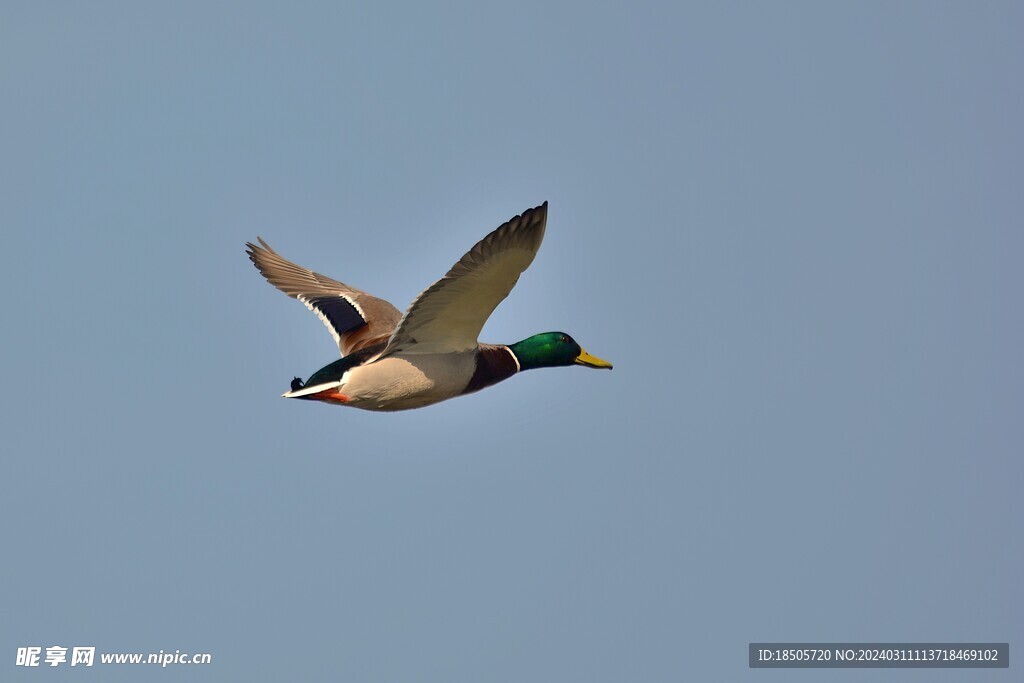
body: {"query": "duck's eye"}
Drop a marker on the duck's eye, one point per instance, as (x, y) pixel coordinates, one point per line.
(564, 339)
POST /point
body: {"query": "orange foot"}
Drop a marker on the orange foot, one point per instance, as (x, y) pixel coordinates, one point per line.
(331, 395)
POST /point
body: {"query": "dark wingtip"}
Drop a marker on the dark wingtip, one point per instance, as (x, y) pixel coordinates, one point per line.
(252, 249)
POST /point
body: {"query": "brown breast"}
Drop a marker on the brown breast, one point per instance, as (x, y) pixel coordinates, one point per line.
(493, 364)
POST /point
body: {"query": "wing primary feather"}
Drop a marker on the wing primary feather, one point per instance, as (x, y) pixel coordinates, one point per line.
(448, 315)
(354, 318)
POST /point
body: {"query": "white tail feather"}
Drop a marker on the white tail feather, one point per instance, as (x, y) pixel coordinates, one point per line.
(306, 391)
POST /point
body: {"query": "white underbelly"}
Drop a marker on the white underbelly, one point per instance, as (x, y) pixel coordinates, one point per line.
(403, 382)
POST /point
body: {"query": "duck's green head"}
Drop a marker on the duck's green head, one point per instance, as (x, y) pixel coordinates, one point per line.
(552, 350)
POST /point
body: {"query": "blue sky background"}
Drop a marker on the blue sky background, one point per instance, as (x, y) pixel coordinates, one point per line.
(794, 227)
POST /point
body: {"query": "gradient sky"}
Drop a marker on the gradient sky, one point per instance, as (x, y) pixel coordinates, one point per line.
(794, 227)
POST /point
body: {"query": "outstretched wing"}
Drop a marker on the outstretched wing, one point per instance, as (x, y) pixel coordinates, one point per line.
(354, 318)
(449, 315)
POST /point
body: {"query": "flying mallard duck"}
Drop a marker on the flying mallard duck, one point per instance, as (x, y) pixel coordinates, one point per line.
(395, 362)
